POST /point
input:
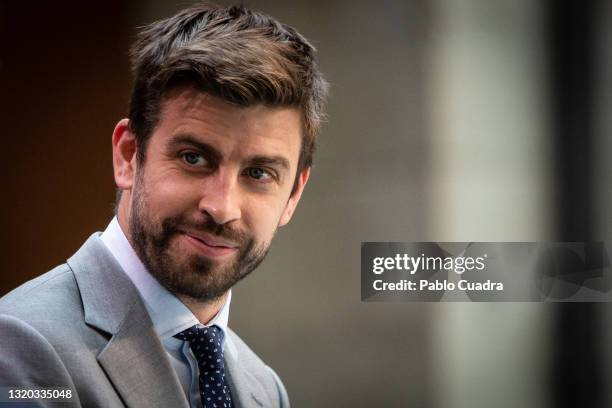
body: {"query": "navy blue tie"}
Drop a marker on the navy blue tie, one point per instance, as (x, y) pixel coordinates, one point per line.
(207, 346)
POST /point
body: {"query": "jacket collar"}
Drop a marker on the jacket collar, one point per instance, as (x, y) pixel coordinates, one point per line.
(134, 358)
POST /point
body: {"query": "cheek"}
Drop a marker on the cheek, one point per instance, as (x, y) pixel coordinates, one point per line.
(263, 218)
(170, 196)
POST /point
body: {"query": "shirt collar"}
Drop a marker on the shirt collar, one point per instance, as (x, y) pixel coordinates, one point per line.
(169, 315)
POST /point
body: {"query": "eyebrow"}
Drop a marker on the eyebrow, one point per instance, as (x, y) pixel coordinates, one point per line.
(183, 139)
(275, 161)
(187, 139)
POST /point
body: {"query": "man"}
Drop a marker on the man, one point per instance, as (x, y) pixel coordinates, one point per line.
(214, 157)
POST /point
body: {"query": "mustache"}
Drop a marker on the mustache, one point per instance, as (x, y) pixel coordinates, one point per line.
(176, 224)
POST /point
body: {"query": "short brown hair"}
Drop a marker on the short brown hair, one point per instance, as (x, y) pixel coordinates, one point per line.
(242, 56)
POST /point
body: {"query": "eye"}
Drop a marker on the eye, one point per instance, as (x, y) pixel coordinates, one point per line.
(258, 173)
(194, 159)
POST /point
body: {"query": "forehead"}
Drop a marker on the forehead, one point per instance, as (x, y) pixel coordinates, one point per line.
(185, 110)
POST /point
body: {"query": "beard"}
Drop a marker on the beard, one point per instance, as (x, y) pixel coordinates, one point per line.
(192, 275)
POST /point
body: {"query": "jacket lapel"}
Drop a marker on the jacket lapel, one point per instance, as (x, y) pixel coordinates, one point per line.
(136, 363)
(247, 391)
(134, 358)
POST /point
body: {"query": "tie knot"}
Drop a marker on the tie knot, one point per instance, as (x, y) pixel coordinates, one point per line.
(206, 344)
(201, 335)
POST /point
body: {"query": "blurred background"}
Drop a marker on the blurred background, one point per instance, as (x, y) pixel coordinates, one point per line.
(449, 120)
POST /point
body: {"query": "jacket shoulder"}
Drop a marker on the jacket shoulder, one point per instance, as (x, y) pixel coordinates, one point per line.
(48, 302)
(56, 287)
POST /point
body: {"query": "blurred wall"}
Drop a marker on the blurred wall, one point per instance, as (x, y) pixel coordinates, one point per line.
(491, 181)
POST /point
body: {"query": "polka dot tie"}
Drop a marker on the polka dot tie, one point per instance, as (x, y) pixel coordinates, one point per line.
(207, 346)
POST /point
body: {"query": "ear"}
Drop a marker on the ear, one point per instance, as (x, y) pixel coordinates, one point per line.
(124, 155)
(295, 197)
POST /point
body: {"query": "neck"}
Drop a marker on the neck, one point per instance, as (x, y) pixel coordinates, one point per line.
(203, 311)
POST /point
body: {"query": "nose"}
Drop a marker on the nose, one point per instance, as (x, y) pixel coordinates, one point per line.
(220, 198)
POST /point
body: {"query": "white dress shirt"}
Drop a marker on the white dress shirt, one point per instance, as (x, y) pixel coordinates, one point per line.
(169, 315)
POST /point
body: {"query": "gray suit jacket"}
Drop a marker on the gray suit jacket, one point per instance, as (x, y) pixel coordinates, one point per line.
(84, 326)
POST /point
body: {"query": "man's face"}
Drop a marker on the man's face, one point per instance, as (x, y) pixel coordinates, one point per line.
(214, 187)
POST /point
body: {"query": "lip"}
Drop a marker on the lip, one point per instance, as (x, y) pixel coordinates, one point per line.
(209, 245)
